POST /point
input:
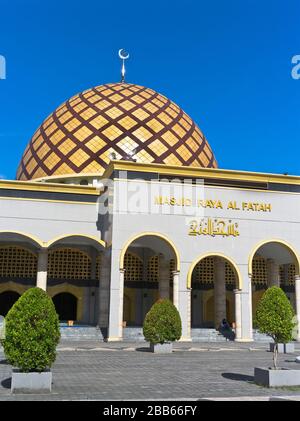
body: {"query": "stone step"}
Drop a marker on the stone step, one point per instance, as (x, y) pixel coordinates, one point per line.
(78, 333)
(132, 334)
(206, 335)
(260, 337)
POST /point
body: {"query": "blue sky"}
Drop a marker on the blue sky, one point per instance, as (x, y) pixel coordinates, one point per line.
(226, 63)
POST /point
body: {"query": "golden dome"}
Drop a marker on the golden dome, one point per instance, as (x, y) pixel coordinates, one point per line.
(128, 120)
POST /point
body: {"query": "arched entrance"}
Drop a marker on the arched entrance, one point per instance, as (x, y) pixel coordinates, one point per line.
(66, 306)
(213, 280)
(74, 266)
(272, 263)
(142, 288)
(7, 300)
(148, 262)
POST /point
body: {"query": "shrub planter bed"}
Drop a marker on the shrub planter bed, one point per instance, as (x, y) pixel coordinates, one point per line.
(31, 336)
(283, 348)
(165, 348)
(276, 318)
(276, 378)
(31, 382)
(162, 326)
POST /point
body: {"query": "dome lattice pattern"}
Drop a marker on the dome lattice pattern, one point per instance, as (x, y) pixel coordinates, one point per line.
(129, 120)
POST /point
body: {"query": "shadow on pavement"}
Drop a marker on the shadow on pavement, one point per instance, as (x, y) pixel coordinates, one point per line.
(143, 349)
(6, 383)
(238, 377)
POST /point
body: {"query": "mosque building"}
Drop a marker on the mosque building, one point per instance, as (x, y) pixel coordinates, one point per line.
(118, 200)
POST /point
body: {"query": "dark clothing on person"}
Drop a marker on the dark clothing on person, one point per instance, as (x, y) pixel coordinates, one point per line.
(226, 330)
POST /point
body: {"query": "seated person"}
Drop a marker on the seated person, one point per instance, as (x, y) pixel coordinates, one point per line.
(225, 325)
(226, 330)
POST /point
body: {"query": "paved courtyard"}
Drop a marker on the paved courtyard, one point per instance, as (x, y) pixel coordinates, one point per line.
(126, 371)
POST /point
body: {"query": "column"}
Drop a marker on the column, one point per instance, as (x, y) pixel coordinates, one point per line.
(92, 289)
(121, 302)
(238, 314)
(175, 274)
(219, 291)
(245, 303)
(164, 277)
(42, 268)
(297, 296)
(184, 302)
(104, 285)
(273, 274)
(184, 308)
(116, 297)
(115, 326)
(250, 307)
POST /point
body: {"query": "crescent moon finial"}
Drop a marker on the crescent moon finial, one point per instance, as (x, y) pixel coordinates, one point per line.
(123, 56)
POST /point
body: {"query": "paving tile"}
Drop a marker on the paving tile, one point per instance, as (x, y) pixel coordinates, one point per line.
(126, 371)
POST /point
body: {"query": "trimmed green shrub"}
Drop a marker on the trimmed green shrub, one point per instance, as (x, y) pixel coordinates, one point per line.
(31, 332)
(162, 323)
(275, 317)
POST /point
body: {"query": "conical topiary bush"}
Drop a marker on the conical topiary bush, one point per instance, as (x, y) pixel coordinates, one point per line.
(162, 323)
(275, 317)
(31, 332)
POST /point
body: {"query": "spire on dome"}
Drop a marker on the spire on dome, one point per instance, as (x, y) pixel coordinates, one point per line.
(123, 56)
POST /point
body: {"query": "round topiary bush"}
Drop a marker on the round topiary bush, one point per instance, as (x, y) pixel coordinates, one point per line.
(275, 317)
(162, 323)
(32, 332)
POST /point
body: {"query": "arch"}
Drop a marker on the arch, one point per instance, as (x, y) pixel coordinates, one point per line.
(72, 289)
(65, 305)
(65, 236)
(36, 240)
(7, 300)
(212, 254)
(14, 287)
(147, 234)
(278, 241)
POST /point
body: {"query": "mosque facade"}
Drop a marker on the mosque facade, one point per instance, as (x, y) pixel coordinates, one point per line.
(118, 201)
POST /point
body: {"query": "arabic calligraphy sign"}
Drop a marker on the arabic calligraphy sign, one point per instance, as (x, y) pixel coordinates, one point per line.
(214, 227)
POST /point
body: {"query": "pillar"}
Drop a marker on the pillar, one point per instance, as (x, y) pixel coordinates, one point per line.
(175, 274)
(219, 291)
(121, 303)
(116, 297)
(42, 268)
(273, 274)
(244, 302)
(164, 277)
(238, 314)
(184, 308)
(297, 296)
(250, 334)
(104, 285)
(184, 300)
(92, 289)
